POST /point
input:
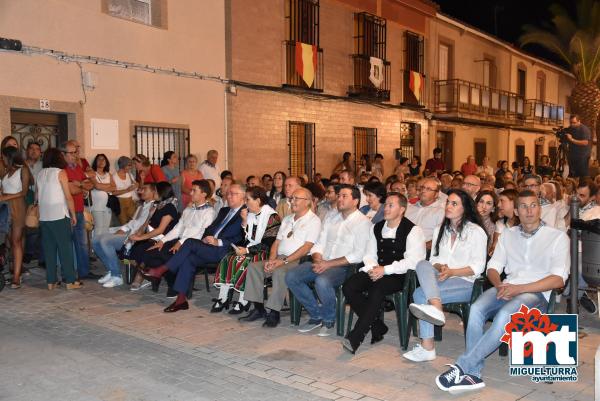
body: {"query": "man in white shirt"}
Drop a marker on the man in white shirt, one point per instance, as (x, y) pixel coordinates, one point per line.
(533, 183)
(209, 168)
(472, 184)
(535, 258)
(106, 245)
(485, 167)
(194, 220)
(427, 213)
(346, 177)
(328, 206)
(297, 234)
(221, 201)
(342, 242)
(395, 246)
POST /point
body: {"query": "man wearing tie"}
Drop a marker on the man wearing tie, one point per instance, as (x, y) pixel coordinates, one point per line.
(214, 245)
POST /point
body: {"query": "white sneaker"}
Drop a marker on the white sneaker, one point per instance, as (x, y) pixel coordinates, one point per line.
(419, 354)
(429, 313)
(145, 284)
(113, 282)
(104, 278)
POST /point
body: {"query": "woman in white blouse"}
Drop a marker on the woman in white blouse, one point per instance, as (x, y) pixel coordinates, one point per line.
(458, 257)
(125, 191)
(103, 184)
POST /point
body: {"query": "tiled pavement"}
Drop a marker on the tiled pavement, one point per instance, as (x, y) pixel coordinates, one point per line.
(111, 344)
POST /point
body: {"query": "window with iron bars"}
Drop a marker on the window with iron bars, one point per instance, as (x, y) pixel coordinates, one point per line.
(302, 26)
(365, 143)
(153, 142)
(301, 143)
(371, 77)
(414, 60)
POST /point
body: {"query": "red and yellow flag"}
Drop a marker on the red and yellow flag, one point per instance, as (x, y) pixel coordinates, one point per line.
(306, 62)
(416, 84)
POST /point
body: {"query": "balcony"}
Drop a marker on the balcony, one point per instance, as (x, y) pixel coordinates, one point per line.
(540, 112)
(468, 100)
(409, 98)
(363, 87)
(291, 77)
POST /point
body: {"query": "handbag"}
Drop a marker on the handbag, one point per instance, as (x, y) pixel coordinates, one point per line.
(32, 217)
(113, 204)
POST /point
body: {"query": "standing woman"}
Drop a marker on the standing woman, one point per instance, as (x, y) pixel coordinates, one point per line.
(261, 223)
(277, 192)
(527, 167)
(415, 166)
(169, 166)
(457, 259)
(15, 184)
(103, 184)
(486, 203)
(56, 205)
(125, 191)
(188, 176)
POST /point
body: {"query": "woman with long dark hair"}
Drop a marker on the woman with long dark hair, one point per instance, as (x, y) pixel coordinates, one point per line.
(277, 191)
(103, 184)
(486, 203)
(169, 166)
(15, 184)
(457, 259)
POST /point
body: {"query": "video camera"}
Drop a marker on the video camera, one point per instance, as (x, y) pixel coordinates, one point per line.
(561, 133)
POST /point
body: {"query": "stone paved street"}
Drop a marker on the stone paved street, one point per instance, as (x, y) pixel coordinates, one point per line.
(113, 345)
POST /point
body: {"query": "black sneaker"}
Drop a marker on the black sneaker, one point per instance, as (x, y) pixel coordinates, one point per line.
(587, 304)
(272, 319)
(455, 381)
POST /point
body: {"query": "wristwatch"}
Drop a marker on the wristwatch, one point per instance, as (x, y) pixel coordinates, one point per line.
(285, 261)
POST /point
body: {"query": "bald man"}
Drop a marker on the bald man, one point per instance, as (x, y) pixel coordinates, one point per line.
(284, 207)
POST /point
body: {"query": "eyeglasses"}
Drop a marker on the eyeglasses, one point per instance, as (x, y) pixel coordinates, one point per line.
(531, 186)
(297, 198)
(426, 189)
(235, 193)
(524, 206)
(470, 184)
(70, 153)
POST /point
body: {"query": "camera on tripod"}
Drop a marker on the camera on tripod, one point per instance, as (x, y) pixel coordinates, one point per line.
(561, 134)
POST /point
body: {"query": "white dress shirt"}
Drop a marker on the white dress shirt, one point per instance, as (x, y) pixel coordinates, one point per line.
(210, 172)
(415, 250)
(192, 223)
(549, 214)
(527, 260)
(305, 229)
(344, 237)
(139, 218)
(426, 217)
(469, 250)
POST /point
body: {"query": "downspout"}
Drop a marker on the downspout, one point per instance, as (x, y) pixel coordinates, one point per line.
(226, 136)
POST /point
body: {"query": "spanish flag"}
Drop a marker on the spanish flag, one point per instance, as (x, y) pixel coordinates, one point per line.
(306, 62)
(416, 84)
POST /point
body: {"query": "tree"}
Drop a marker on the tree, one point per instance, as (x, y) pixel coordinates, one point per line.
(576, 40)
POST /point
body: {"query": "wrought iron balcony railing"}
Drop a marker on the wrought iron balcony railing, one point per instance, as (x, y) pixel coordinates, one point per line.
(363, 87)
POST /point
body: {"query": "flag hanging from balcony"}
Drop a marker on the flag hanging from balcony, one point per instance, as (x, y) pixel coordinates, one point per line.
(306, 62)
(376, 73)
(415, 84)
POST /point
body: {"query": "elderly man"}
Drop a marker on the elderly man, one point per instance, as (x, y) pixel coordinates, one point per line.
(78, 185)
(472, 185)
(209, 168)
(549, 212)
(535, 258)
(427, 213)
(342, 242)
(485, 167)
(215, 244)
(469, 167)
(395, 246)
(297, 234)
(284, 207)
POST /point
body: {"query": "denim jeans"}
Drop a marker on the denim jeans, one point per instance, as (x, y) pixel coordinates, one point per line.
(454, 289)
(82, 259)
(480, 344)
(106, 246)
(297, 280)
(101, 221)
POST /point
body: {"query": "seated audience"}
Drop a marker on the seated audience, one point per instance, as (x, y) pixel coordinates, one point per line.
(375, 195)
(486, 203)
(427, 213)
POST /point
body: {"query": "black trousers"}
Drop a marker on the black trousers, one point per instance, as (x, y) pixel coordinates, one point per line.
(368, 307)
(579, 166)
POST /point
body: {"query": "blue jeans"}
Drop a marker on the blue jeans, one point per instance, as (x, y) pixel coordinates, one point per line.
(454, 289)
(106, 246)
(82, 259)
(297, 280)
(480, 344)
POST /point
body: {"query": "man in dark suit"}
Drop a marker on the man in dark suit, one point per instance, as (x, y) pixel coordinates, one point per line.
(214, 245)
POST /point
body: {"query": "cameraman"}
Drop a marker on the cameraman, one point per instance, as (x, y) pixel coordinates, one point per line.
(579, 138)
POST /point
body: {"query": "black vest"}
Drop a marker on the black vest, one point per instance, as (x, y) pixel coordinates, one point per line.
(392, 249)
